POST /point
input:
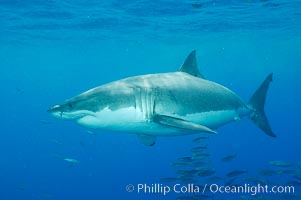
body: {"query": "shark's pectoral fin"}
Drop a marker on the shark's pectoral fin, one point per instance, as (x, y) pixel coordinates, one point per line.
(180, 123)
(147, 140)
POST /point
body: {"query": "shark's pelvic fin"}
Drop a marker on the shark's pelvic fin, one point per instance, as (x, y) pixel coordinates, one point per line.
(257, 102)
(190, 65)
(147, 140)
(180, 123)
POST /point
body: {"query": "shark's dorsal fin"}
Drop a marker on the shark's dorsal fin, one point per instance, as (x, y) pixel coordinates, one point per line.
(190, 65)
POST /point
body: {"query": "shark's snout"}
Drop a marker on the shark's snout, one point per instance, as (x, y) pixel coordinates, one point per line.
(68, 111)
(56, 111)
(53, 109)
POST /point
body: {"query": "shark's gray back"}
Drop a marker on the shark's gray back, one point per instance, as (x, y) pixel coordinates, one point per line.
(169, 93)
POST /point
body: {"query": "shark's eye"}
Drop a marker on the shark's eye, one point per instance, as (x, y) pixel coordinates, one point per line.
(70, 105)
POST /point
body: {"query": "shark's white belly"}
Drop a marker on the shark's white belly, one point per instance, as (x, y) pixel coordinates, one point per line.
(133, 120)
(122, 119)
(213, 119)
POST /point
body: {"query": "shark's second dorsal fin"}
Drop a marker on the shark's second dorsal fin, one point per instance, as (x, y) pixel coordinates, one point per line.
(190, 65)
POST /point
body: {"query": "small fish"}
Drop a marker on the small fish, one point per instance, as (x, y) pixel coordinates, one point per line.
(188, 172)
(214, 179)
(197, 5)
(281, 163)
(199, 164)
(297, 176)
(90, 132)
(267, 172)
(179, 164)
(236, 173)
(71, 160)
(256, 180)
(271, 5)
(206, 172)
(188, 179)
(286, 171)
(230, 181)
(229, 158)
(199, 157)
(198, 149)
(290, 196)
(293, 183)
(181, 171)
(200, 139)
(19, 90)
(201, 154)
(185, 177)
(169, 179)
(185, 159)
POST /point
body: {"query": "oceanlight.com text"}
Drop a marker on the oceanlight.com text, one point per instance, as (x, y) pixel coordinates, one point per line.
(250, 189)
(162, 189)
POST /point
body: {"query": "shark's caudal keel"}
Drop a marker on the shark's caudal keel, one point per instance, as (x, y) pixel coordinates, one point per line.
(166, 104)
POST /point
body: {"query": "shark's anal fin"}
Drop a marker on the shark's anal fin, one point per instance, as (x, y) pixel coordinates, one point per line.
(147, 140)
(190, 65)
(180, 123)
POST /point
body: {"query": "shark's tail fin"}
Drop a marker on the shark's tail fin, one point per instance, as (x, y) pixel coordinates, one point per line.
(256, 103)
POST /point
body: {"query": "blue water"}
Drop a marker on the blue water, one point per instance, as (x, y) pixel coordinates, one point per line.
(52, 50)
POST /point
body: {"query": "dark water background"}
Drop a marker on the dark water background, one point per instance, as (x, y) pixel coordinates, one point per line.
(53, 50)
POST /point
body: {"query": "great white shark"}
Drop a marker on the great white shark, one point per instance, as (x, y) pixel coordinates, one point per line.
(165, 104)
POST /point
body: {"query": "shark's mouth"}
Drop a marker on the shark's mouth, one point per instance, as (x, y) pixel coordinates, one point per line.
(74, 115)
